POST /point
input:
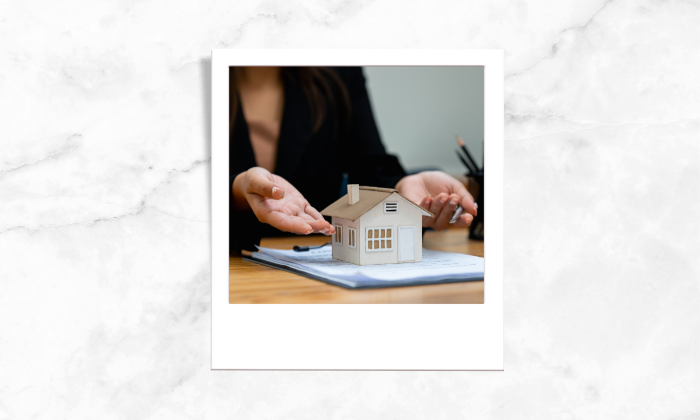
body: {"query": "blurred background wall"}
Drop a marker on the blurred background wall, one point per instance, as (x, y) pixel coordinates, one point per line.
(419, 110)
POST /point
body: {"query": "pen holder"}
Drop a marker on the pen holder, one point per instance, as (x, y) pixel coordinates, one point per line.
(476, 188)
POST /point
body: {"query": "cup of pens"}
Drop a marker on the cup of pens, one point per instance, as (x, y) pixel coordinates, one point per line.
(475, 185)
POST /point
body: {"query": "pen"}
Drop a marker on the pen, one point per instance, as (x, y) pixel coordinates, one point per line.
(298, 248)
(458, 213)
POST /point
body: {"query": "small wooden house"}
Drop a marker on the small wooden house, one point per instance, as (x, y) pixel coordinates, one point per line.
(376, 226)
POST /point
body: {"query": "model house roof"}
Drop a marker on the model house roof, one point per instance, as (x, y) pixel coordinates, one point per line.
(369, 197)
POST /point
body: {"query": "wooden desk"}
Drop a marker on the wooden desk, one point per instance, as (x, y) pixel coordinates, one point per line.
(254, 283)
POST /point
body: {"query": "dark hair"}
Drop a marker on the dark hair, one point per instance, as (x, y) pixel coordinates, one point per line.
(316, 84)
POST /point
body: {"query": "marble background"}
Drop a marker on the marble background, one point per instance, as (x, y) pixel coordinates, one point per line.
(105, 226)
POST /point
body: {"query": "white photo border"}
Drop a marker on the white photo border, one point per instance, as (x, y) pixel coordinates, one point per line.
(359, 336)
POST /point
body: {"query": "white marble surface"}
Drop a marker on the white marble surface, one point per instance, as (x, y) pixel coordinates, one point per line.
(104, 210)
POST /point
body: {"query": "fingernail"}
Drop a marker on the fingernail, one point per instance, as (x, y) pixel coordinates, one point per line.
(443, 200)
(275, 189)
(476, 206)
(453, 202)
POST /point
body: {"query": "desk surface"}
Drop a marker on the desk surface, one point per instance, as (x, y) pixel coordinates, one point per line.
(254, 283)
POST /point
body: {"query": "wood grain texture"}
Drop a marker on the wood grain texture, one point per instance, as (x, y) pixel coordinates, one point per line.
(254, 283)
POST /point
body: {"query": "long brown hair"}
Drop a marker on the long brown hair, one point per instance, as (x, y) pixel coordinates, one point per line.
(316, 84)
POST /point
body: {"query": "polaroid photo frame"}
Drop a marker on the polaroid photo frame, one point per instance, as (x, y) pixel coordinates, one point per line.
(358, 336)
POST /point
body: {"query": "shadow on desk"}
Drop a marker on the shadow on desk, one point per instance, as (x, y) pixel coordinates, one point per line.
(254, 283)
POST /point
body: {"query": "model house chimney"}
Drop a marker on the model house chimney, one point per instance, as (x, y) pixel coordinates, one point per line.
(353, 193)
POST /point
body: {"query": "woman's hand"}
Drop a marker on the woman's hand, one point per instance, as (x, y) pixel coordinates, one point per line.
(277, 203)
(440, 194)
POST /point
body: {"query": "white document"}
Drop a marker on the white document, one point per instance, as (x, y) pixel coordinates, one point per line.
(436, 267)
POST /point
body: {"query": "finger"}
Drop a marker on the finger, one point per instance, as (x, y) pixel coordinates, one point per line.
(437, 204)
(313, 213)
(459, 188)
(288, 223)
(319, 223)
(426, 202)
(263, 186)
(442, 220)
(321, 226)
(469, 204)
(463, 221)
(466, 199)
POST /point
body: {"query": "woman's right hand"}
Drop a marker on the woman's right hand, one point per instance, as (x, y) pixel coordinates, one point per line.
(277, 203)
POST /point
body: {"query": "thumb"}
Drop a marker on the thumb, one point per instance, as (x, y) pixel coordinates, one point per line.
(263, 186)
(469, 205)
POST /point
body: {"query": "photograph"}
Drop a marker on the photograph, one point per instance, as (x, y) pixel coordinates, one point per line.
(355, 206)
(356, 184)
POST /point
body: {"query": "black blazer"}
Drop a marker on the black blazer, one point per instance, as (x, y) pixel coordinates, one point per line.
(315, 164)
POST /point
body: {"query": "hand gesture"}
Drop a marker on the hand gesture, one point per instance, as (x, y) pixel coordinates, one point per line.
(440, 194)
(277, 203)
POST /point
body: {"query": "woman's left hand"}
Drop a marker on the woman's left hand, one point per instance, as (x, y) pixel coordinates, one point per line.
(440, 194)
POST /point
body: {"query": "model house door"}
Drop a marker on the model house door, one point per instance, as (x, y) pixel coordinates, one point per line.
(407, 244)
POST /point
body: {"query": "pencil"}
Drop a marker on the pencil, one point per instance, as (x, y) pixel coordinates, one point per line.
(469, 169)
(466, 151)
(458, 212)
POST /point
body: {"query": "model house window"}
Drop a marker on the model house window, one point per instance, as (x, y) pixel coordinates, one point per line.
(379, 239)
(352, 238)
(391, 207)
(338, 234)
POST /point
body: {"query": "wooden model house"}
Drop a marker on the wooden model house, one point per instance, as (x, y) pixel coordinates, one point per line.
(376, 226)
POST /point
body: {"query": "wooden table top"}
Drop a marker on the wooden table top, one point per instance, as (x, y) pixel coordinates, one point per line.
(255, 283)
